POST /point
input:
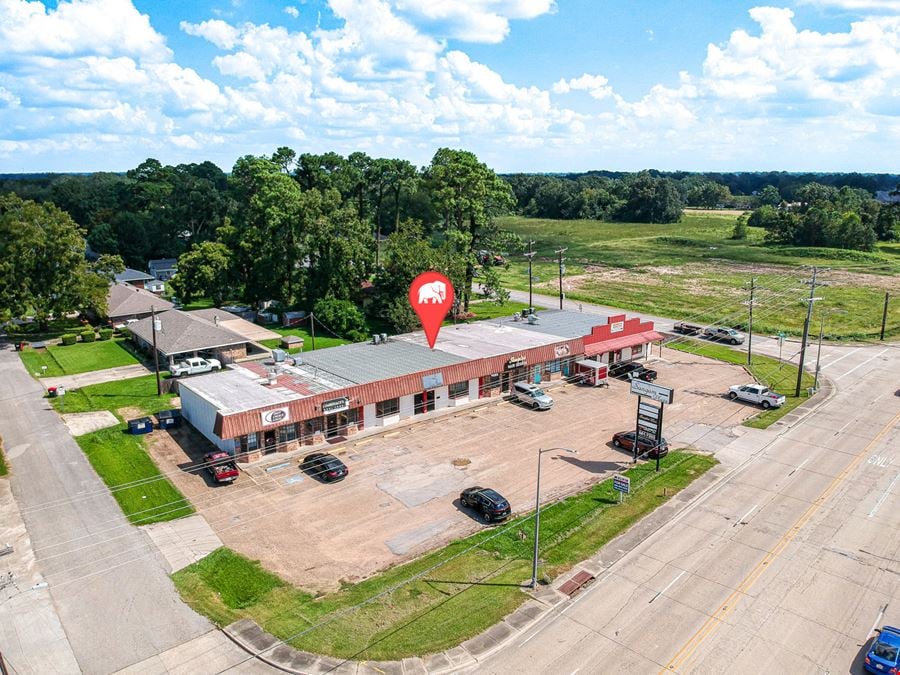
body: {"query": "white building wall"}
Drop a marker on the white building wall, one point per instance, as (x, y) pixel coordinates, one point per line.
(441, 398)
(202, 416)
(369, 416)
(473, 389)
(407, 406)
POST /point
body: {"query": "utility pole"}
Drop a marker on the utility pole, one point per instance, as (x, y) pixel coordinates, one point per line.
(155, 353)
(562, 270)
(887, 297)
(312, 329)
(750, 324)
(530, 256)
(809, 308)
(3, 670)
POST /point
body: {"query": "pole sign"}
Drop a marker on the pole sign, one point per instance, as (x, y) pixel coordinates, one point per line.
(653, 391)
(622, 484)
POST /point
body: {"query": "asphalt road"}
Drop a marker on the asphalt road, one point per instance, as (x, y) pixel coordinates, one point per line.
(785, 566)
(116, 604)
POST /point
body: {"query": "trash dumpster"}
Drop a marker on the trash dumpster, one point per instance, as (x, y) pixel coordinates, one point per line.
(141, 425)
(168, 419)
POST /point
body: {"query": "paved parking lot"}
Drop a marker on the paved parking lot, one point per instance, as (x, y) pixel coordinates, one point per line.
(401, 497)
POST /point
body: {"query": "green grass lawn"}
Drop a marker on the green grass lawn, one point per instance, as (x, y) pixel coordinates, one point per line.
(443, 598)
(121, 460)
(693, 270)
(323, 340)
(778, 376)
(136, 392)
(82, 357)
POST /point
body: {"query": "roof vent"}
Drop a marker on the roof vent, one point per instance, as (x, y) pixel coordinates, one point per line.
(272, 376)
(216, 319)
(376, 339)
(384, 337)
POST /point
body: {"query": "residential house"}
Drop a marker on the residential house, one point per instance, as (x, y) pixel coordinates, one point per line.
(136, 278)
(124, 302)
(164, 268)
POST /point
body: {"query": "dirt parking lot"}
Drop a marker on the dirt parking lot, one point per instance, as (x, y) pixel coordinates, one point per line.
(401, 498)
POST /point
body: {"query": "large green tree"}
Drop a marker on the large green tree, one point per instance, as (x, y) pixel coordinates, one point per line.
(43, 269)
(468, 195)
(204, 271)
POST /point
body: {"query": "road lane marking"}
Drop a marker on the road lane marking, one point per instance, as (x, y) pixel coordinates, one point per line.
(668, 586)
(883, 496)
(797, 468)
(831, 363)
(875, 625)
(871, 358)
(740, 521)
(717, 618)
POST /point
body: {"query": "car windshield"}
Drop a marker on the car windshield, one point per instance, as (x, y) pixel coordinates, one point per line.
(885, 651)
(538, 392)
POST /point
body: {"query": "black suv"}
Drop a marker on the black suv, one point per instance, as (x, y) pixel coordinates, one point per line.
(325, 467)
(490, 503)
(632, 371)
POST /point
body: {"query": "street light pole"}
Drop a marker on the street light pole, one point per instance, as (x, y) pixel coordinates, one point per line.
(809, 308)
(529, 255)
(559, 252)
(537, 513)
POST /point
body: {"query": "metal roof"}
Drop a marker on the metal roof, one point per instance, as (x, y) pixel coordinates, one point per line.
(237, 389)
(483, 339)
(366, 362)
(563, 323)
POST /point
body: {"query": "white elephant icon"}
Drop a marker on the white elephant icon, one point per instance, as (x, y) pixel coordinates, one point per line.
(434, 292)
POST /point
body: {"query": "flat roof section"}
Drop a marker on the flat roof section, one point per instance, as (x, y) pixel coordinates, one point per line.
(484, 339)
(564, 323)
(365, 362)
(238, 389)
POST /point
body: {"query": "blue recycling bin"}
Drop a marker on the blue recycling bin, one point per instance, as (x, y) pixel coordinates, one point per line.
(141, 425)
(168, 419)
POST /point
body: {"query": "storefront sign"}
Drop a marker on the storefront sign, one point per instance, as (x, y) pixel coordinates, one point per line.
(561, 350)
(275, 416)
(516, 362)
(616, 326)
(433, 381)
(654, 391)
(335, 405)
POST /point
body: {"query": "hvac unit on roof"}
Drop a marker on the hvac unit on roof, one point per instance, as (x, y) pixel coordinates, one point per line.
(376, 339)
(532, 319)
(384, 337)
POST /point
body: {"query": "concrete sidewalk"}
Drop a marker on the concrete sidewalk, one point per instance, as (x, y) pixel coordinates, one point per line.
(96, 376)
(31, 636)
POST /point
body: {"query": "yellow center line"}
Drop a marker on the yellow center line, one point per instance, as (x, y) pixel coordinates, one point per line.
(717, 618)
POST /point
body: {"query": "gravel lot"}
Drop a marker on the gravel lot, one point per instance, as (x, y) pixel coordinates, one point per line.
(401, 497)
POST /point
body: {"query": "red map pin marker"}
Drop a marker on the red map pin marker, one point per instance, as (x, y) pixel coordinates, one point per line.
(431, 297)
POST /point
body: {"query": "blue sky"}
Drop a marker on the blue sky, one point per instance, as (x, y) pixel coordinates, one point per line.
(528, 85)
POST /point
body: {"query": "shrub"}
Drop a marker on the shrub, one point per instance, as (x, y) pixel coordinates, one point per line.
(340, 317)
(88, 335)
(106, 333)
(69, 339)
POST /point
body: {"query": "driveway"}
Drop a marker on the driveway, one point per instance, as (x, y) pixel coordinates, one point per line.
(113, 597)
(401, 497)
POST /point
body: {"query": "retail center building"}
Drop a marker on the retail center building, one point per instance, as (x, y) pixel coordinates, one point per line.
(263, 406)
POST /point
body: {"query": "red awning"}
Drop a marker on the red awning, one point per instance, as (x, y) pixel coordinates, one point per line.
(617, 344)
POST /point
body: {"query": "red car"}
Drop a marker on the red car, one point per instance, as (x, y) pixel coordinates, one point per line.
(221, 467)
(625, 440)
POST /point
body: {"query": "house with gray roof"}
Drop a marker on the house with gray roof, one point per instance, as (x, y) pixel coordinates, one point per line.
(180, 335)
(163, 268)
(124, 302)
(134, 277)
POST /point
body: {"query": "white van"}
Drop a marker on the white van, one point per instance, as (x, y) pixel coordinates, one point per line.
(532, 395)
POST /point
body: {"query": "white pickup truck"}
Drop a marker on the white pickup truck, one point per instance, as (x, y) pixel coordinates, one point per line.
(756, 393)
(193, 366)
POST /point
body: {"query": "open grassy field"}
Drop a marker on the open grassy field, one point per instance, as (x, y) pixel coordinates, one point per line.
(776, 375)
(82, 357)
(134, 480)
(693, 270)
(441, 599)
(136, 392)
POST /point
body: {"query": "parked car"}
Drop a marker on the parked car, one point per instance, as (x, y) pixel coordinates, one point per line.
(625, 440)
(722, 334)
(884, 656)
(194, 366)
(221, 467)
(756, 393)
(489, 503)
(631, 370)
(325, 467)
(687, 328)
(532, 395)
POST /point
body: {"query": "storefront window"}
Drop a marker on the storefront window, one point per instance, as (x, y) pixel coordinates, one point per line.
(287, 433)
(459, 389)
(553, 366)
(249, 443)
(492, 381)
(386, 408)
